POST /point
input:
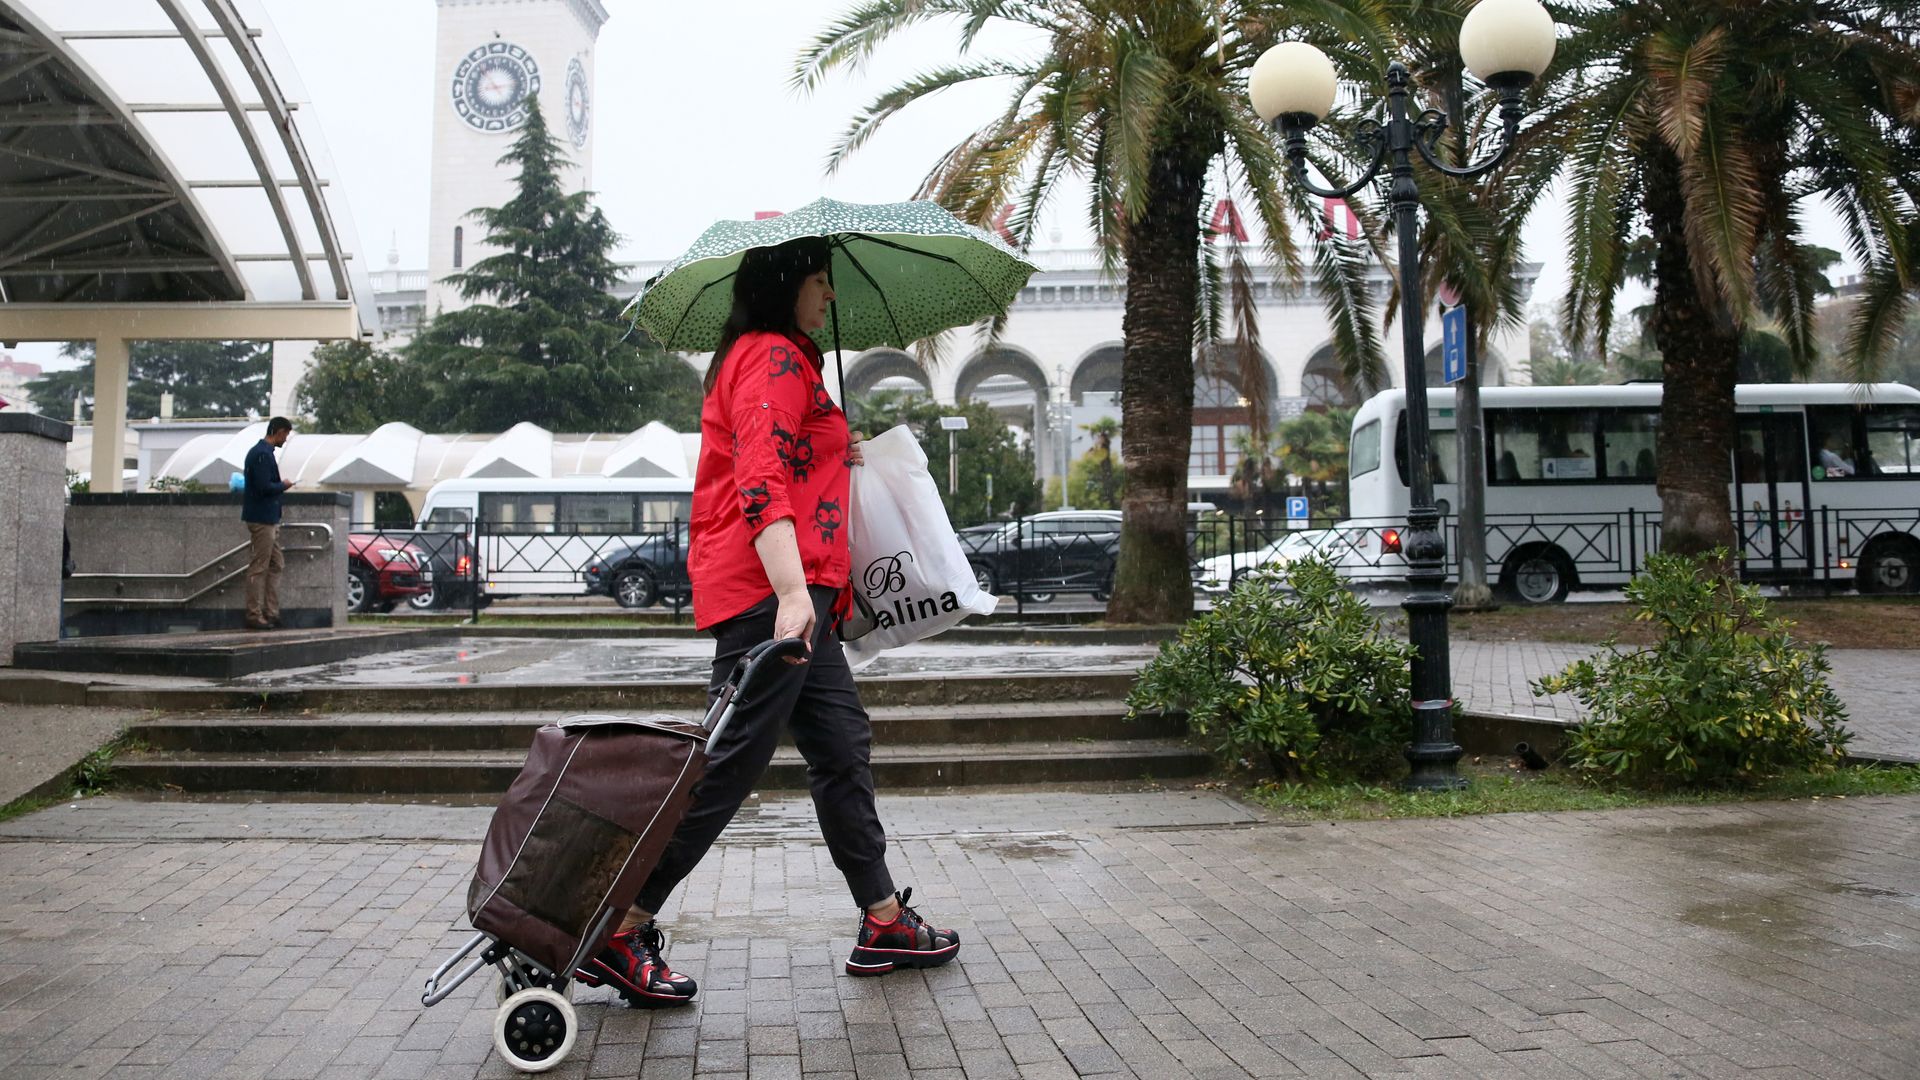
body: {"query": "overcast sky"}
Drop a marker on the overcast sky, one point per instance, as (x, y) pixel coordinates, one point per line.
(694, 121)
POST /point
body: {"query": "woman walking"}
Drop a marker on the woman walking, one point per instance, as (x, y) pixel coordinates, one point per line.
(768, 559)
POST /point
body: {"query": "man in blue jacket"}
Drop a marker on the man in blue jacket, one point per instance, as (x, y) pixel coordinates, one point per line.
(260, 509)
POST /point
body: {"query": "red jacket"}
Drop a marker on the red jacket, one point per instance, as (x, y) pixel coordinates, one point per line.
(772, 445)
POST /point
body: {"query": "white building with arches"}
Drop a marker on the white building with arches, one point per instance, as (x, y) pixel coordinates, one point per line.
(1057, 365)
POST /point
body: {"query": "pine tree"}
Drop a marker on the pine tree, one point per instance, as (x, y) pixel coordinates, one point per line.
(206, 379)
(543, 340)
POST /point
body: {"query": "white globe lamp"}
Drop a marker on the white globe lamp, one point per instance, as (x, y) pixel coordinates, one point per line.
(1292, 81)
(1507, 43)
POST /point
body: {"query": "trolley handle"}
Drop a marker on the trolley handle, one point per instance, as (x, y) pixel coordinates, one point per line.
(755, 668)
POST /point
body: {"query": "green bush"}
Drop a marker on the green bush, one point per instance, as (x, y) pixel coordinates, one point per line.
(1724, 696)
(1292, 665)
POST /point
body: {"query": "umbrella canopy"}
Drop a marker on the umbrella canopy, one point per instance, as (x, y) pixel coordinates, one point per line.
(901, 272)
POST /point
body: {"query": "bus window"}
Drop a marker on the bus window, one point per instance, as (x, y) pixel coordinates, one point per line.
(1893, 443)
(658, 510)
(447, 519)
(1532, 445)
(1443, 452)
(1770, 448)
(1628, 443)
(601, 513)
(1831, 432)
(1366, 450)
(518, 513)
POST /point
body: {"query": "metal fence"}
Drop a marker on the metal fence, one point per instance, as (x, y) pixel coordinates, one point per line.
(1034, 562)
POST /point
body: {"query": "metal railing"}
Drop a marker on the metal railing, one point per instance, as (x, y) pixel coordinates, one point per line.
(1820, 545)
(468, 566)
(1032, 563)
(178, 589)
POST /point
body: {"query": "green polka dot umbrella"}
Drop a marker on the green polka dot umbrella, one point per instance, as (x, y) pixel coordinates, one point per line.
(901, 272)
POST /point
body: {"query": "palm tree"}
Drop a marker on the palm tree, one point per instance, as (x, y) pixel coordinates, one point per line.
(1717, 122)
(1103, 430)
(1146, 98)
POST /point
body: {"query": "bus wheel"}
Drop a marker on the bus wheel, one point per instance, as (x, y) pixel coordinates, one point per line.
(1890, 566)
(1537, 575)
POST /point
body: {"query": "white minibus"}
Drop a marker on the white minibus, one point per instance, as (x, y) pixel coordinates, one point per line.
(1826, 485)
(538, 536)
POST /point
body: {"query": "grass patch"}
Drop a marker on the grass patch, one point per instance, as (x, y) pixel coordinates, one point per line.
(92, 775)
(1496, 790)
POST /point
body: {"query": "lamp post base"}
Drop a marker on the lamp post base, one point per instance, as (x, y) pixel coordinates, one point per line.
(1434, 755)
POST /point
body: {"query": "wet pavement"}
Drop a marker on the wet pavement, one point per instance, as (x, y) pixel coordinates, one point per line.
(1160, 934)
(480, 661)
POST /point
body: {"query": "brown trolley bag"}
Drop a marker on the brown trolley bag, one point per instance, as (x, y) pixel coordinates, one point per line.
(583, 825)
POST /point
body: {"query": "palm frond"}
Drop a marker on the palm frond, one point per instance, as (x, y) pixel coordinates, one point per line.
(1722, 188)
(1682, 75)
(867, 122)
(1880, 310)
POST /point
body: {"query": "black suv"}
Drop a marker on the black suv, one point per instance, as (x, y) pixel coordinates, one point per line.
(642, 574)
(1054, 552)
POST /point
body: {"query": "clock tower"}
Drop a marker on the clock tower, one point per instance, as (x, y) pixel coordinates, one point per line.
(491, 57)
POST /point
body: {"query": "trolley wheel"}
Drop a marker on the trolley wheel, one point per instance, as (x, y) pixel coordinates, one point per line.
(534, 1030)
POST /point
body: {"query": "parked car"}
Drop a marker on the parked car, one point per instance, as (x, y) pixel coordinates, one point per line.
(383, 570)
(1220, 573)
(1047, 553)
(643, 574)
(451, 565)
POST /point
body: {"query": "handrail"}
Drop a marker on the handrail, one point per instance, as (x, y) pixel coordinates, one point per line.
(325, 542)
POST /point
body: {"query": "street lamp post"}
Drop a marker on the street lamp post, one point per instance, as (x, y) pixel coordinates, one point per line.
(1507, 44)
(953, 425)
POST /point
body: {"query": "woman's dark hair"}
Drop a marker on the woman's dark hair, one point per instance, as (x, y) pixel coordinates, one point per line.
(765, 288)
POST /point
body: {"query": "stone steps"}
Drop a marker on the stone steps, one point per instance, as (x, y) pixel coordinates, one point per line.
(400, 732)
(488, 772)
(945, 737)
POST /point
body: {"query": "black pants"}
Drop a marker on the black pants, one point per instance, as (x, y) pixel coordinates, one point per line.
(821, 704)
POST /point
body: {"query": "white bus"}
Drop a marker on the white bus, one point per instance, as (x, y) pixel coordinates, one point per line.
(1826, 485)
(540, 536)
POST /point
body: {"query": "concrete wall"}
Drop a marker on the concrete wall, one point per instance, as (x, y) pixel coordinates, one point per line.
(175, 534)
(33, 487)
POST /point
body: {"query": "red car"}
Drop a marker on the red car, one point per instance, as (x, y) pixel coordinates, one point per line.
(382, 571)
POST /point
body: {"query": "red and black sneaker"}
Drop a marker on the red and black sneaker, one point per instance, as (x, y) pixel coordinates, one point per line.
(633, 964)
(907, 941)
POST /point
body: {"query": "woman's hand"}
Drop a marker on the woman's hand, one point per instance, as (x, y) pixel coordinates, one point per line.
(854, 454)
(794, 617)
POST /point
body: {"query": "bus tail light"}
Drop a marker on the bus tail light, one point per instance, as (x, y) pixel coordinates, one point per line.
(1389, 541)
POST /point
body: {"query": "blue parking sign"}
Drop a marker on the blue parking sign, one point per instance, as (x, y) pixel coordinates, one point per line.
(1453, 344)
(1296, 511)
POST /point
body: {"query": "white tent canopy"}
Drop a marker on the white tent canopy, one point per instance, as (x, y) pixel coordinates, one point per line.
(522, 450)
(399, 457)
(382, 459)
(654, 450)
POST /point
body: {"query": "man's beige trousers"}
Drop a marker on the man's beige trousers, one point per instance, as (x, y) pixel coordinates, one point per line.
(263, 573)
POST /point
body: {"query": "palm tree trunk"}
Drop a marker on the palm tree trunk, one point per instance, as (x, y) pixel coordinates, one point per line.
(1152, 583)
(1700, 357)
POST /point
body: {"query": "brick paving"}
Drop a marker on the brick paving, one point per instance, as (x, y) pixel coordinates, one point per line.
(1878, 686)
(1155, 934)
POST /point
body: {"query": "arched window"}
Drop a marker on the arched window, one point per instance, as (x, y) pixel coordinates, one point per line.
(1324, 384)
(458, 234)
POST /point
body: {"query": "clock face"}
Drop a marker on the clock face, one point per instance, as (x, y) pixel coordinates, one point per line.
(579, 103)
(493, 84)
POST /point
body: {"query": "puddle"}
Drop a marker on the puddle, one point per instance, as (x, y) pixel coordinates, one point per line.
(1025, 849)
(1874, 892)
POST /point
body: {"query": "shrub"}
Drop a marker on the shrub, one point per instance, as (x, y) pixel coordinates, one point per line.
(1292, 665)
(1723, 696)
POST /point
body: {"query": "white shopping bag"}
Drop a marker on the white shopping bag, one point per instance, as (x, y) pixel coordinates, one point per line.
(910, 578)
